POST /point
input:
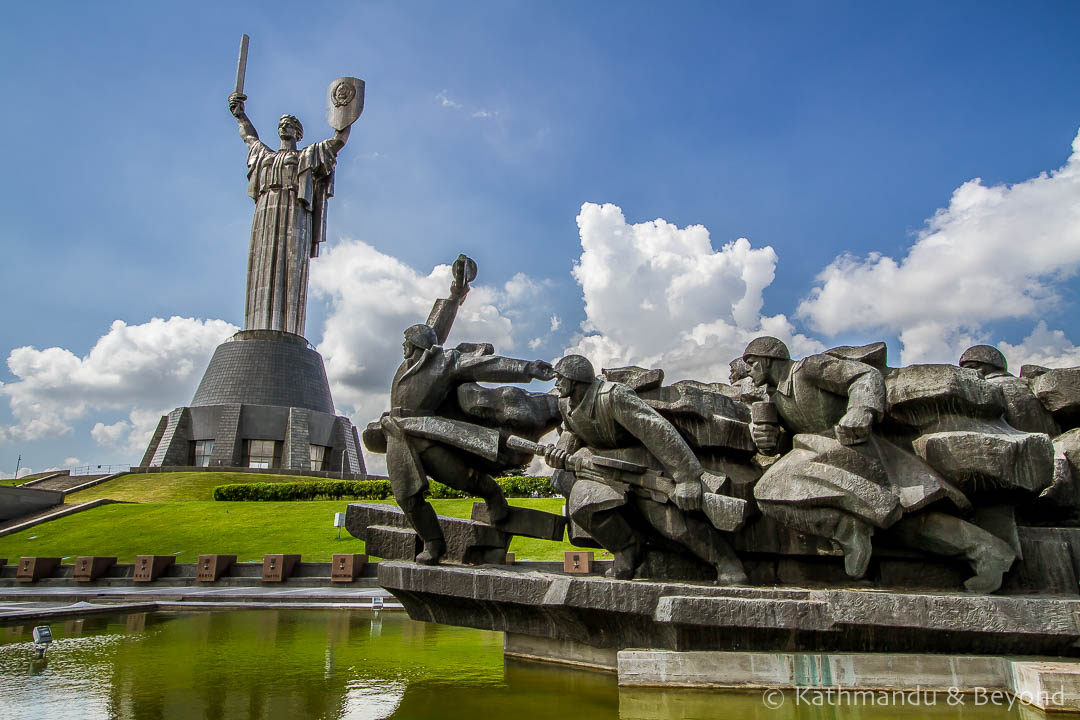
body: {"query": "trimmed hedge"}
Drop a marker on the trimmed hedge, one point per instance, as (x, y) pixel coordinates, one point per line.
(513, 486)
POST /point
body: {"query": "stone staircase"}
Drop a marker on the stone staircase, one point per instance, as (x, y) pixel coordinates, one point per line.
(64, 483)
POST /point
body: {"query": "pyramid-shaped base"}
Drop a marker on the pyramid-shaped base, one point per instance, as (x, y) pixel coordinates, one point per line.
(264, 401)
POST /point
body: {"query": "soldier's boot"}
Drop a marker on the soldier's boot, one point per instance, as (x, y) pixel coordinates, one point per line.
(853, 536)
(426, 523)
(850, 533)
(614, 533)
(626, 561)
(707, 543)
(497, 507)
(992, 560)
(990, 556)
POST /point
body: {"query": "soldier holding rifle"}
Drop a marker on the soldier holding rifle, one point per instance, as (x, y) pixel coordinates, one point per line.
(622, 514)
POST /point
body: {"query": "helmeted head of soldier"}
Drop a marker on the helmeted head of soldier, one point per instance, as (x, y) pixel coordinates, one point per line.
(766, 357)
(289, 128)
(571, 370)
(418, 336)
(984, 359)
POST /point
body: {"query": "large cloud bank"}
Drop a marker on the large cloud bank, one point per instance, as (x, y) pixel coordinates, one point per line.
(145, 369)
(995, 253)
(657, 295)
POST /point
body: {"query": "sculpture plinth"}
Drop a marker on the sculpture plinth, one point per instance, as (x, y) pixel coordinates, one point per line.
(263, 402)
(266, 367)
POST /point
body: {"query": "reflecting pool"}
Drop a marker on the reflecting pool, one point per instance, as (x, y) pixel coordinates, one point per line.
(274, 664)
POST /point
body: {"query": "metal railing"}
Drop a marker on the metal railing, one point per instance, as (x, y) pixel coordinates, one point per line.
(99, 469)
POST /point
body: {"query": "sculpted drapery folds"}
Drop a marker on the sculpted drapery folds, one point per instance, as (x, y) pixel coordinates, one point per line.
(291, 188)
(843, 481)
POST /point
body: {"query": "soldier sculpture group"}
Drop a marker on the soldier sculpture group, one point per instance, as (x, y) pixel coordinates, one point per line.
(936, 460)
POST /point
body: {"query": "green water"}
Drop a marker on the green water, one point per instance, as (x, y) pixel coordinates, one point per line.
(274, 664)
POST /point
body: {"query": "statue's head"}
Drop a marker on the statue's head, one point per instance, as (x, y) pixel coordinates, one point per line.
(984, 359)
(571, 370)
(418, 336)
(289, 128)
(764, 356)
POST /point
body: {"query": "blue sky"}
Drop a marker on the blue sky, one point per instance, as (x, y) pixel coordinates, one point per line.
(813, 129)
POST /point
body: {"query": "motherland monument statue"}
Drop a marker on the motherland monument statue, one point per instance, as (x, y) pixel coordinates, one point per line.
(291, 188)
(264, 400)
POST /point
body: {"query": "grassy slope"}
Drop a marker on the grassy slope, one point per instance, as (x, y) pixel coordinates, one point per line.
(248, 530)
(172, 487)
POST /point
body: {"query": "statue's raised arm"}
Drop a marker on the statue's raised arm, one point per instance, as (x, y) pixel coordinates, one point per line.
(247, 130)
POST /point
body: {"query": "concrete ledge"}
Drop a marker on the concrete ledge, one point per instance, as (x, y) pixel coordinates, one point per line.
(686, 616)
(17, 501)
(647, 668)
(1052, 686)
(563, 652)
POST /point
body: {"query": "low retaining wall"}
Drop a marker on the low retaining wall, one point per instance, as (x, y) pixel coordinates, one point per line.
(15, 502)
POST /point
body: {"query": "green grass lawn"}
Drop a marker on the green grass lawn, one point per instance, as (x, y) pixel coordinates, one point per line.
(172, 487)
(245, 529)
(12, 481)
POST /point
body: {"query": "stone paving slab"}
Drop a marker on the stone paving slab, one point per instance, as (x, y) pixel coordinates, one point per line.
(33, 603)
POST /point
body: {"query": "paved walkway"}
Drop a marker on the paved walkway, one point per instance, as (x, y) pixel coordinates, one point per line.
(40, 603)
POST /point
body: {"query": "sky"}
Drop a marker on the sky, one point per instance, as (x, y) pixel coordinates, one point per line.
(646, 183)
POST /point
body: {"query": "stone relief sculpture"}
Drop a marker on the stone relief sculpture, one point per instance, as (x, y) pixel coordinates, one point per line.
(834, 455)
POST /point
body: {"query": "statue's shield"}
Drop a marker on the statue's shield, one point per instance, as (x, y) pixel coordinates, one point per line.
(344, 102)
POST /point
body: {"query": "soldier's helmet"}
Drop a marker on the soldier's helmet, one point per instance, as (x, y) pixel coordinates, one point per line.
(767, 346)
(422, 336)
(985, 354)
(576, 368)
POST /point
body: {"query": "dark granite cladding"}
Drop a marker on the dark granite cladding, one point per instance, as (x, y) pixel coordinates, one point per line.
(621, 614)
(266, 367)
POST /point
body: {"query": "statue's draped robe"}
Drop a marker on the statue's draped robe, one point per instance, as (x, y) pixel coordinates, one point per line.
(290, 189)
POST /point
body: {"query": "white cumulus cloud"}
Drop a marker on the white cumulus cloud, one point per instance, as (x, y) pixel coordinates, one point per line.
(657, 295)
(1049, 348)
(995, 253)
(139, 368)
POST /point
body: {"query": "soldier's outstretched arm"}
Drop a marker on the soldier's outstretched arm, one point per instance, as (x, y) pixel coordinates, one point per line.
(654, 432)
(495, 368)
